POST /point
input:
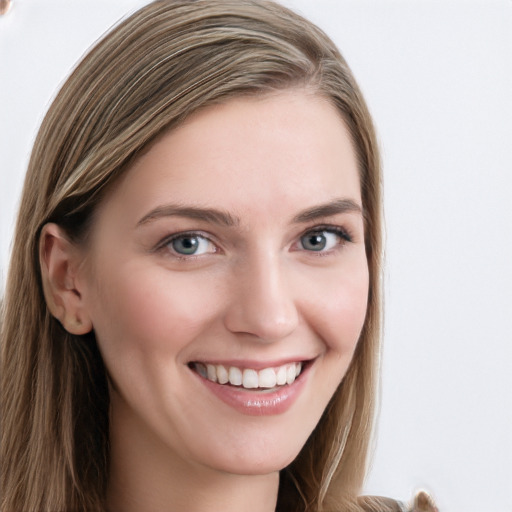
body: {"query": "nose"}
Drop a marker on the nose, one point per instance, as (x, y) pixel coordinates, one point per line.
(262, 303)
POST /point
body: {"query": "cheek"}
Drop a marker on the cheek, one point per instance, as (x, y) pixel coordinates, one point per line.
(338, 308)
(143, 309)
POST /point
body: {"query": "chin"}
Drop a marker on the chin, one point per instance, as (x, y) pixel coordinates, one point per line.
(261, 466)
(256, 458)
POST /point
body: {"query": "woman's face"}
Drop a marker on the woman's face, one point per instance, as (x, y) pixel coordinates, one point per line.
(226, 280)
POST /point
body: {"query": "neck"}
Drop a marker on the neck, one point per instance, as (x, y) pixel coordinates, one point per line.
(144, 475)
(229, 493)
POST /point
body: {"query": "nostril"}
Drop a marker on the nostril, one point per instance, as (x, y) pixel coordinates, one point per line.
(263, 320)
(262, 304)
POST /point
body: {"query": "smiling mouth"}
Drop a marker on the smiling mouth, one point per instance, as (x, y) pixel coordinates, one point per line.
(247, 378)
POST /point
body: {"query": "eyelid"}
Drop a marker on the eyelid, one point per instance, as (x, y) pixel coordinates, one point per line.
(166, 241)
(342, 231)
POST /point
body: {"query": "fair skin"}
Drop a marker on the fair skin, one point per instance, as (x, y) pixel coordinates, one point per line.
(235, 241)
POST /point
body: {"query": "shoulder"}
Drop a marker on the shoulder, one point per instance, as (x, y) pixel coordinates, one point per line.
(422, 502)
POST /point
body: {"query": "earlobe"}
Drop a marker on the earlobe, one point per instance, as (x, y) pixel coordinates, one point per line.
(59, 260)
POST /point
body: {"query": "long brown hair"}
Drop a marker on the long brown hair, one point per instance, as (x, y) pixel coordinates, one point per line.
(147, 75)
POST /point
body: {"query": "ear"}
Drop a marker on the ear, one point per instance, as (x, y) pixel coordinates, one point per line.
(60, 260)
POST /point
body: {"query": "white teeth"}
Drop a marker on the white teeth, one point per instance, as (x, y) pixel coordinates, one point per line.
(281, 376)
(235, 376)
(222, 374)
(267, 378)
(290, 374)
(212, 372)
(248, 378)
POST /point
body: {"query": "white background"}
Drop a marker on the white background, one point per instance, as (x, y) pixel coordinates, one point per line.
(438, 79)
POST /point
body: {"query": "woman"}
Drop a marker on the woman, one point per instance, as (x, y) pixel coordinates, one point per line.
(191, 318)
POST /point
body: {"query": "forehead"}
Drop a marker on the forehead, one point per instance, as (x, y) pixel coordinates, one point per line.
(259, 155)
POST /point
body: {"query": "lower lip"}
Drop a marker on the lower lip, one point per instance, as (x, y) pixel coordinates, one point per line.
(258, 403)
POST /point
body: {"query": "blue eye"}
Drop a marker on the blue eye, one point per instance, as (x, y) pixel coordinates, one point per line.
(191, 245)
(324, 240)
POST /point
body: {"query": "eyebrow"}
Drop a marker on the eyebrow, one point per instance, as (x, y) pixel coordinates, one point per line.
(210, 215)
(336, 207)
(223, 218)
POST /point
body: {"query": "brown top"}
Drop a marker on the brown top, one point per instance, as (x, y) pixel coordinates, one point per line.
(422, 503)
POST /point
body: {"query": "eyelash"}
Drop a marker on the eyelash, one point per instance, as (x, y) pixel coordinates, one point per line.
(343, 234)
(164, 245)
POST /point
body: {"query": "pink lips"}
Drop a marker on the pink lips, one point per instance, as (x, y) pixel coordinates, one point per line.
(258, 402)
